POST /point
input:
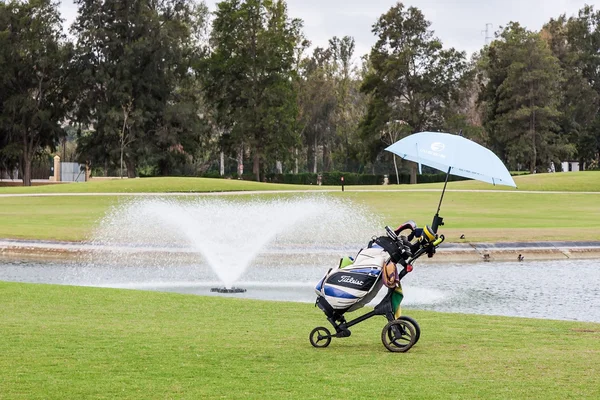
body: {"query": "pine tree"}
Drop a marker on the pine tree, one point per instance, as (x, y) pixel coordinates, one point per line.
(523, 93)
(250, 78)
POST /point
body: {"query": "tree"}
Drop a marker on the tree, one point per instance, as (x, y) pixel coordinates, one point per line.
(330, 105)
(523, 96)
(575, 42)
(250, 78)
(341, 51)
(134, 60)
(465, 112)
(34, 59)
(412, 77)
(9, 149)
(9, 153)
(350, 101)
(579, 101)
(317, 104)
(394, 131)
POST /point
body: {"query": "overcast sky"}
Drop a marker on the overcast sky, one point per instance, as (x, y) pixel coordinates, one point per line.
(458, 23)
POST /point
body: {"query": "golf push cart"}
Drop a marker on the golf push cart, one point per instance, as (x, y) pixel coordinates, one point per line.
(355, 282)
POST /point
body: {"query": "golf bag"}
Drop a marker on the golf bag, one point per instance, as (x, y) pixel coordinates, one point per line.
(350, 287)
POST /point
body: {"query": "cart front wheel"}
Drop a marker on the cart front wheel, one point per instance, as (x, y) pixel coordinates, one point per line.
(320, 337)
(398, 336)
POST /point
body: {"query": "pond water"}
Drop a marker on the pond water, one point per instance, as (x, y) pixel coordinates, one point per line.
(565, 289)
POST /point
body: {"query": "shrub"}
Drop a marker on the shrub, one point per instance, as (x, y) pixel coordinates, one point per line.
(334, 178)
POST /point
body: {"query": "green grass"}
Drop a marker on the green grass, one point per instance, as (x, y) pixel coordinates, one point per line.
(583, 181)
(571, 182)
(485, 216)
(61, 342)
(494, 216)
(156, 185)
(57, 218)
(480, 216)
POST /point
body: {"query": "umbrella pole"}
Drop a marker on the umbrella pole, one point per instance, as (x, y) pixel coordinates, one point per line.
(437, 220)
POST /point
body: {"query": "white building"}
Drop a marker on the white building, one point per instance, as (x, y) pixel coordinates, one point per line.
(570, 166)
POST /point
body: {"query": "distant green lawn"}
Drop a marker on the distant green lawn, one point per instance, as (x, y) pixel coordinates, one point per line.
(52, 218)
(156, 185)
(484, 217)
(586, 181)
(480, 216)
(61, 342)
(571, 181)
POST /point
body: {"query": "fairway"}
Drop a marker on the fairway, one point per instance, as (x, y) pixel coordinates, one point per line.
(210, 200)
(588, 181)
(481, 216)
(57, 218)
(157, 185)
(72, 342)
(484, 216)
(76, 342)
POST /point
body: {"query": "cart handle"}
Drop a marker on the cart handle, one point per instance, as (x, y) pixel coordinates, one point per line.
(423, 250)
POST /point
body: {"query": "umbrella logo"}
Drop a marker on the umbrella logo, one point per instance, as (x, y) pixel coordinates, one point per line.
(438, 146)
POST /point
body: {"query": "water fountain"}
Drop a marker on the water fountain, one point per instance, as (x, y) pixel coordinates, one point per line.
(226, 234)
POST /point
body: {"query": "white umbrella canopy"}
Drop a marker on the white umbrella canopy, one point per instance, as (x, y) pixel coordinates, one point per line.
(454, 155)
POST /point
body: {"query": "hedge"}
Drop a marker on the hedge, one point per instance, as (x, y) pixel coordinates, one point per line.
(350, 178)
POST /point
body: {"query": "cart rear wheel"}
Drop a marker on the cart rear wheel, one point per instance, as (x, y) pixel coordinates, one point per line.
(415, 326)
(398, 336)
(320, 337)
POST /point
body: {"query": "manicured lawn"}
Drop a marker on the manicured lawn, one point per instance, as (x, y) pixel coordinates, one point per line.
(61, 342)
(494, 216)
(57, 218)
(480, 216)
(155, 185)
(571, 182)
(588, 181)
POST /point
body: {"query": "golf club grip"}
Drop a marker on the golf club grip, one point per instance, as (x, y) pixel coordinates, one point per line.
(391, 233)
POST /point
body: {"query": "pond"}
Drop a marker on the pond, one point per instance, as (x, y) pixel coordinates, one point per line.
(565, 289)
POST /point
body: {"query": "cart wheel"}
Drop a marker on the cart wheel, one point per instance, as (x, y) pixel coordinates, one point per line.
(320, 337)
(414, 324)
(398, 336)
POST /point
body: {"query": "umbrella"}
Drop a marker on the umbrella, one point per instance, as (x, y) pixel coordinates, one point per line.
(454, 155)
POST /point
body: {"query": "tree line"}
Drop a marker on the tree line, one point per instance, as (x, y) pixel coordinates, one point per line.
(164, 87)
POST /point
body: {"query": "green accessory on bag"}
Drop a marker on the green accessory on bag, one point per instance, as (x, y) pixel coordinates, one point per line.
(345, 261)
